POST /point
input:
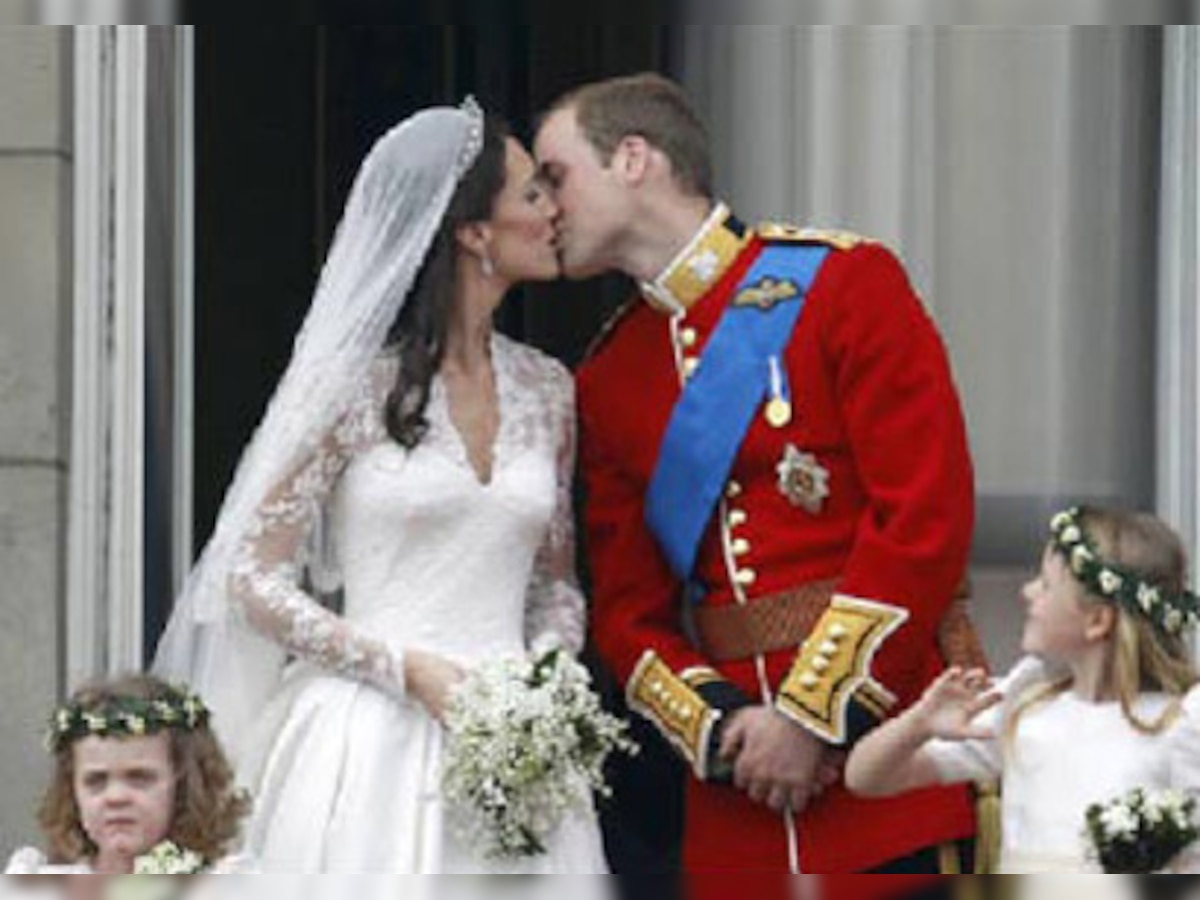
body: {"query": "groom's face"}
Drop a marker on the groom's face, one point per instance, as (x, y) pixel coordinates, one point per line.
(587, 192)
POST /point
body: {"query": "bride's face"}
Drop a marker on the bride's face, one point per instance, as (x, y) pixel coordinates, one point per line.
(521, 229)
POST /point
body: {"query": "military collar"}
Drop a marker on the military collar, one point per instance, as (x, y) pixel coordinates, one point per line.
(699, 265)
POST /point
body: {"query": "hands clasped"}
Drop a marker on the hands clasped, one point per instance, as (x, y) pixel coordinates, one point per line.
(776, 762)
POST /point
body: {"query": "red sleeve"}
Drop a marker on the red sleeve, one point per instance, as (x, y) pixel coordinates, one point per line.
(894, 389)
(636, 620)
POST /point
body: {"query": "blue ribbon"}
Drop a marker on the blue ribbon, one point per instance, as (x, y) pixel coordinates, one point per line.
(713, 415)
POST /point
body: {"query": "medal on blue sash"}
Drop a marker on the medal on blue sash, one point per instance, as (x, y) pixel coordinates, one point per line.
(740, 368)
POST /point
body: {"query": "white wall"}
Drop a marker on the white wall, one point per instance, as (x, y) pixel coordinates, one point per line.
(35, 178)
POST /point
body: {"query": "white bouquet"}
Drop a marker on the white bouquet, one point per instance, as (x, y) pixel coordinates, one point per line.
(168, 858)
(1142, 831)
(528, 740)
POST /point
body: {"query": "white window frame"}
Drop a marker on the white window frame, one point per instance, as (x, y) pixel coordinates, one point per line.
(106, 540)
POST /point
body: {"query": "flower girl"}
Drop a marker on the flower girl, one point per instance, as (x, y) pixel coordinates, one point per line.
(1104, 704)
(140, 786)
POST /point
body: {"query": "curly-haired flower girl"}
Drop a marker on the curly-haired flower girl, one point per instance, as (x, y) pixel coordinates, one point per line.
(140, 786)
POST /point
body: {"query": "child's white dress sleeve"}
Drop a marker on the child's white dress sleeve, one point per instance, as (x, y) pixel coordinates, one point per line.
(1185, 768)
(26, 861)
(982, 759)
(31, 861)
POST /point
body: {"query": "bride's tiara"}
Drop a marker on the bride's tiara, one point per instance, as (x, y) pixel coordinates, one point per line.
(474, 143)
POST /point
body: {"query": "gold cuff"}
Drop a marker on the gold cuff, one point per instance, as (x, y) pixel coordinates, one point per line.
(674, 707)
(834, 666)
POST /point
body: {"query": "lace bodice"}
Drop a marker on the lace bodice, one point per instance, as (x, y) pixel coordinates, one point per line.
(430, 557)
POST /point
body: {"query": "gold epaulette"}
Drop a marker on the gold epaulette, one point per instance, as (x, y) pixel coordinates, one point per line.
(674, 706)
(610, 325)
(782, 233)
(834, 667)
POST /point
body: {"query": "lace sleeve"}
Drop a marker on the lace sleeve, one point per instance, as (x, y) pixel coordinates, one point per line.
(555, 608)
(265, 582)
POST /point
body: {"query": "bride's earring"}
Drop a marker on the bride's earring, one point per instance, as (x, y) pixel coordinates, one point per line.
(486, 265)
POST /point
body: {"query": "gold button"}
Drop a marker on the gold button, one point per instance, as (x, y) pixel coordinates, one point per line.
(746, 577)
(838, 631)
(737, 518)
(690, 365)
(688, 337)
(809, 680)
(686, 714)
(829, 648)
(733, 490)
(656, 688)
(740, 547)
(821, 664)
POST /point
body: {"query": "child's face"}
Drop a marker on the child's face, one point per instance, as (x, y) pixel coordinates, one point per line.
(125, 790)
(1056, 617)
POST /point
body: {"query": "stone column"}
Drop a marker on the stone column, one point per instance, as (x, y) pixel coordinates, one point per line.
(35, 379)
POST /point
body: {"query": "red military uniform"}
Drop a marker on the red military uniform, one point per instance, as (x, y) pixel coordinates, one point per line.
(864, 479)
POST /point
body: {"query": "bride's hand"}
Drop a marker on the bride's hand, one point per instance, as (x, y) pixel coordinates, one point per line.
(430, 679)
(952, 702)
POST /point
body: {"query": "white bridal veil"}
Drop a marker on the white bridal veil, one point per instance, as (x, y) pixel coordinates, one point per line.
(397, 202)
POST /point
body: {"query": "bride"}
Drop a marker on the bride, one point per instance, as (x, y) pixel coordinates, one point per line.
(420, 462)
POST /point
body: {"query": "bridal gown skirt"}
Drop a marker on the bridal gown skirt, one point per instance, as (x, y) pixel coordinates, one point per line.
(346, 779)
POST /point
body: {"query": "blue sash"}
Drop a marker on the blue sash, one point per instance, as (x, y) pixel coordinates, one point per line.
(714, 412)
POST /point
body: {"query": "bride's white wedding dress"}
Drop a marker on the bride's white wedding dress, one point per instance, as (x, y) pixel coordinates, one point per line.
(344, 767)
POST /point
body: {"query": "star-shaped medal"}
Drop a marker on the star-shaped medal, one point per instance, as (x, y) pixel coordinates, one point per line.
(803, 480)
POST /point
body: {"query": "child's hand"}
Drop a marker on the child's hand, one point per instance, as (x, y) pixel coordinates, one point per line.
(953, 701)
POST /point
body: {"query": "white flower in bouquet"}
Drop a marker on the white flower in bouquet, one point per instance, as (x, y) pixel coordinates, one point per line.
(527, 744)
(168, 858)
(1141, 832)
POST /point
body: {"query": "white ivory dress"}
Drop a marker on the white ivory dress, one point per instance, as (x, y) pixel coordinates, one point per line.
(345, 768)
(1067, 754)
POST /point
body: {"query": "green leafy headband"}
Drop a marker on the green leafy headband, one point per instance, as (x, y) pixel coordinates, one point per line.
(126, 717)
(1171, 612)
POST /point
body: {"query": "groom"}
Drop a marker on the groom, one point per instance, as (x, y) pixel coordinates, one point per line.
(779, 494)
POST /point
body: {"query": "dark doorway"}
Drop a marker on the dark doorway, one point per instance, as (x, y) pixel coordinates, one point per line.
(284, 116)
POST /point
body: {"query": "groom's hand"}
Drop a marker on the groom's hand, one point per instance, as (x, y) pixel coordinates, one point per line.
(775, 761)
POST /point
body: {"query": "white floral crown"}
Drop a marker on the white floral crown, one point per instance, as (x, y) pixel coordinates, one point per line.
(1172, 612)
(126, 717)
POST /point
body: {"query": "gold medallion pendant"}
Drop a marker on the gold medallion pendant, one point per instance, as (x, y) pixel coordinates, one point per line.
(779, 412)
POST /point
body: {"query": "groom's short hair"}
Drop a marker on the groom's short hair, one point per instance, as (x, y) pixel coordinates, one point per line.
(652, 107)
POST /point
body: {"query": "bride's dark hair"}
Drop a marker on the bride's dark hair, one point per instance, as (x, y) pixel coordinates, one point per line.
(419, 332)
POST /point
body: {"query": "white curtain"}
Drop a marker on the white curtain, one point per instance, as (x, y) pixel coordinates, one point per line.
(1179, 320)
(1016, 172)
